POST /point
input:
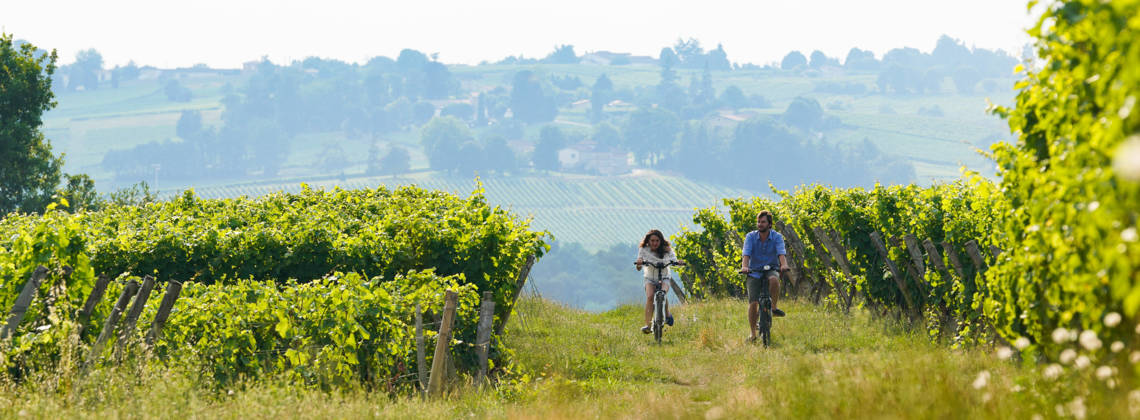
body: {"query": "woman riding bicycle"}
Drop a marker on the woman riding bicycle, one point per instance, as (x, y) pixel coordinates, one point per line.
(654, 249)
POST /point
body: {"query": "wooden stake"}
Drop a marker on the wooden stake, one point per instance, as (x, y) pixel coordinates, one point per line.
(443, 339)
(877, 242)
(519, 283)
(109, 325)
(483, 334)
(126, 334)
(23, 302)
(420, 363)
(173, 290)
(92, 300)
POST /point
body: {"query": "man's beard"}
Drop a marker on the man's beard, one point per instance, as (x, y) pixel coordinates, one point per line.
(763, 229)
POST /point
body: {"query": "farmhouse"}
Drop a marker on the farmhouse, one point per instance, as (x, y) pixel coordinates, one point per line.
(590, 157)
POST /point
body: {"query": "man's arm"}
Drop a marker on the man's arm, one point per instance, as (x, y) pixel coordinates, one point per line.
(783, 262)
(744, 263)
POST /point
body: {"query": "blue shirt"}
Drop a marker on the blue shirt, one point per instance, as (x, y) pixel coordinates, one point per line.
(763, 252)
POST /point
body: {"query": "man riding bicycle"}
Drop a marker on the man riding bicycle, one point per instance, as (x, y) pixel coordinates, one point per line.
(764, 256)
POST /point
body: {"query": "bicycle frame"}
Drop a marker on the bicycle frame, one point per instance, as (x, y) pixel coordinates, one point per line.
(659, 302)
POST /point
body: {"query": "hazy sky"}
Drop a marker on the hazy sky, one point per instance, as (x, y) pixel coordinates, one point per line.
(227, 33)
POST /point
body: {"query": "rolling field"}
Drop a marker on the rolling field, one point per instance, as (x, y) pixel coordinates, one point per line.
(593, 211)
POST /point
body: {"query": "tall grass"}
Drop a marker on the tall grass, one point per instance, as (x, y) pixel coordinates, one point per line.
(574, 364)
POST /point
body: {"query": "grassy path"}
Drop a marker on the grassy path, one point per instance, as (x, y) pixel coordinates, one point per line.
(573, 364)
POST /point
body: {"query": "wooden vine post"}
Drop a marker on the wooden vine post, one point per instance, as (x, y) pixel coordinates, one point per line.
(173, 290)
(524, 272)
(420, 363)
(23, 301)
(442, 341)
(877, 242)
(840, 287)
(109, 325)
(93, 299)
(483, 334)
(126, 334)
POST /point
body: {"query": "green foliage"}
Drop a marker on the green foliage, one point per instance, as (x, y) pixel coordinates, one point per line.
(29, 172)
(336, 331)
(957, 213)
(401, 238)
(1071, 180)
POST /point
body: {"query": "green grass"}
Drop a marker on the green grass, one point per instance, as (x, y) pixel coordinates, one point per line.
(574, 364)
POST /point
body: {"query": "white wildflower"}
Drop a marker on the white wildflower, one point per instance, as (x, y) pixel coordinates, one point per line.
(1116, 346)
(1077, 408)
(1137, 328)
(1104, 372)
(1111, 383)
(1128, 235)
(1082, 362)
(1033, 228)
(1036, 417)
(1134, 357)
(1127, 161)
(1090, 341)
(1061, 334)
(1067, 356)
(986, 397)
(1021, 343)
(1112, 319)
(1004, 352)
(1094, 205)
(1016, 388)
(1053, 371)
(982, 380)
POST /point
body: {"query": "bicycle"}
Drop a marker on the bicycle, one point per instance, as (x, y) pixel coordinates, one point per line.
(764, 321)
(659, 303)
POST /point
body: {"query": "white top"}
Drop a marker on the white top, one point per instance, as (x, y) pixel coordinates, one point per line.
(649, 256)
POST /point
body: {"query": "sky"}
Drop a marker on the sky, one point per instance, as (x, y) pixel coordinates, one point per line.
(224, 34)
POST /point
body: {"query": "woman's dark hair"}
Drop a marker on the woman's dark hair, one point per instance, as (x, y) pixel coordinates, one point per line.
(661, 250)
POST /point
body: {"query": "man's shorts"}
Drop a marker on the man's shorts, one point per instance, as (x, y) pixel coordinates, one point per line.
(754, 284)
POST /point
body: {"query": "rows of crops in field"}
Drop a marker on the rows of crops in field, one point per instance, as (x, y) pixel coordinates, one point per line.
(595, 212)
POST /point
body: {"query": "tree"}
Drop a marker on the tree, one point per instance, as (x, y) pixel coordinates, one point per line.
(733, 97)
(528, 101)
(607, 134)
(189, 125)
(667, 59)
(500, 157)
(650, 133)
(176, 92)
(550, 141)
(423, 112)
(793, 60)
(29, 172)
(397, 161)
(805, 113)
(819, 59)
(562, 54)
(601, 94)
(85, 71)
(965, 78)
(689, 52)
(718, 59)
(860, 60)
(950, 53)
(472, 157)
(441, 139)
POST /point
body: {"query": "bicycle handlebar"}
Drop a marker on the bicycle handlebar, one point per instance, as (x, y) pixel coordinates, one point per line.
(660, 265)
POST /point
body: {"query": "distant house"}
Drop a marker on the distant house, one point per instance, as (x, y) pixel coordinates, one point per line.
(521, 147)
(590, 157)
